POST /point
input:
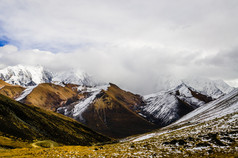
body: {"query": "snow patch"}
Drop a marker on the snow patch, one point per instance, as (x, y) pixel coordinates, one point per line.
(26, 92)
(83, 105)
(144, 137)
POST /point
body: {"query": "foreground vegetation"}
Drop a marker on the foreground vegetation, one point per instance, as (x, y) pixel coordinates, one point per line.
(215, 138)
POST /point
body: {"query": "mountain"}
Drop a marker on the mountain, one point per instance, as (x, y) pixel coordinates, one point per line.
(24, 124)
(32, 75)
(217, 116)
(110, 111)
(74, 77)
(106, 103)
(168, 106)
(106, 109)
(209, 131)
(25, 75)
(212, 88)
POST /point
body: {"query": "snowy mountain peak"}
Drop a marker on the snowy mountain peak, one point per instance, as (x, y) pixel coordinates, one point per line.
(184, 90)
(33, 75)
(212, 88)
(75, 77)
(25, 75)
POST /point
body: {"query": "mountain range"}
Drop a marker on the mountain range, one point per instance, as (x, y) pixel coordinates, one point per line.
(208, 131)
(32, 75)
(106, 108)
(39, 108)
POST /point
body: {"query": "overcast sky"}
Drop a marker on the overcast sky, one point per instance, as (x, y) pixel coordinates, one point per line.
(132, 43)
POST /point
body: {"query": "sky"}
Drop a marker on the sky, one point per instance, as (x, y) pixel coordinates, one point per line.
(133, 43)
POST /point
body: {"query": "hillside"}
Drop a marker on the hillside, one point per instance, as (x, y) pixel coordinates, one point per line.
(49, 96)
(110, 111)
(22, 124)
(12, 91)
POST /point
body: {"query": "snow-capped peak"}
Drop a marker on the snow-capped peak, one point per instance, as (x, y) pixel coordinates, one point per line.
(33, 75)
(74, 76)
(212, 88)
(25, 75)
(183, 89)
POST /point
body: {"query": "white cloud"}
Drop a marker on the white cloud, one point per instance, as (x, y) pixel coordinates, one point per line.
(138, 70)
(130, 43)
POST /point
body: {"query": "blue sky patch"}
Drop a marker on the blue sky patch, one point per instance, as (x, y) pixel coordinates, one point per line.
(3, 42)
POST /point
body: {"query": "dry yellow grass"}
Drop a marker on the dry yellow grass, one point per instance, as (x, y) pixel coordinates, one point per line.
(11, 91)
(3, 83)
(50, 96)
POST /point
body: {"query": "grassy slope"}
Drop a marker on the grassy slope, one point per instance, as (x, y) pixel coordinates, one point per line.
(26, 123)
(51, 96)
(3, 83)
(112, 114)
(9, 90)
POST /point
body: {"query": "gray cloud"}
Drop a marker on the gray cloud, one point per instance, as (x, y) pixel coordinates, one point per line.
(131, 43)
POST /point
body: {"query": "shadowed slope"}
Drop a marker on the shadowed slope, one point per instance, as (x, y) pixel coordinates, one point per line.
(28, 123)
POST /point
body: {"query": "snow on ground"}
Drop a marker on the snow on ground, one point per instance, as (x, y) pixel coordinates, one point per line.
(162, 106)
(165, 105)
(82, 105)
(144, 137)
(218, 108)
(27, 91)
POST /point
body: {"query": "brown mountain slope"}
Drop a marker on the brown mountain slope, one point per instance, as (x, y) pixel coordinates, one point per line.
(23, 124)
(3, 83)
(112, 113)
(12, 91)
(51, 96)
